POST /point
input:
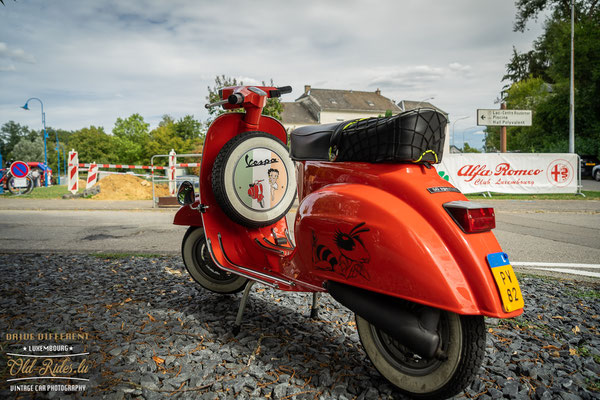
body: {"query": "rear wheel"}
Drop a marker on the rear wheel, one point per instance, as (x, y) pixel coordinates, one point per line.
(19, 186)
(202, 268)
(597, 175)
(462, 339)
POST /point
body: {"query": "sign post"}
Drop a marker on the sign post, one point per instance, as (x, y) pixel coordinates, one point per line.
(503, 118)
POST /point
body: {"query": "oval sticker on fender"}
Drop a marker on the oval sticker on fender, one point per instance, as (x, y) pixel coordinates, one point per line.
(506, 280)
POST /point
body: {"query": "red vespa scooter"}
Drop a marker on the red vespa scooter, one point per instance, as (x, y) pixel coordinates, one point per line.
(377, 228)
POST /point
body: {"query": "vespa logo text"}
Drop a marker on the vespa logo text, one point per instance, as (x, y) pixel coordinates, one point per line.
(502, 169)
(251, 163)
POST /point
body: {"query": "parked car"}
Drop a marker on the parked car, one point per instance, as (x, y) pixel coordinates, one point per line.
(596, 172)
(587, 164)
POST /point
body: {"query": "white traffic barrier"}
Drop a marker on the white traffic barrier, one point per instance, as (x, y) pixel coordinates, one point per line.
(73, 173)
(92, 175)
(171, 172)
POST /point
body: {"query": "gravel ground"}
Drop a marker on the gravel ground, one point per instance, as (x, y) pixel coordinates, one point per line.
(152, 333)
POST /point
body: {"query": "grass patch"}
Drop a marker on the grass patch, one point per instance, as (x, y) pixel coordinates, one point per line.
(50, 192)
(589, 195)
(584, 294)
(118, 256)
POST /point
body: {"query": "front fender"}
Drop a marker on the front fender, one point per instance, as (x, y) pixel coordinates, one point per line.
(366, 237)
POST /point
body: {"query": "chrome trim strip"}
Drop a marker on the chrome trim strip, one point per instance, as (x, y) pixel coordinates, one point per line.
(287, 235)
(212, 254)
(248, 270)
(274, 245)
(262, 246)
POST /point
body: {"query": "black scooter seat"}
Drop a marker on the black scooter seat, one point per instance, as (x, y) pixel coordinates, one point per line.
(312, 142)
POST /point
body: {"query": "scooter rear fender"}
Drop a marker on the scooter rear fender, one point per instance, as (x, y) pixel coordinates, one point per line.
(405, 246)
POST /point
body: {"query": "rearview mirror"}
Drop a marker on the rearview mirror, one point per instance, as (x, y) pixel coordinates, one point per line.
(186, 194)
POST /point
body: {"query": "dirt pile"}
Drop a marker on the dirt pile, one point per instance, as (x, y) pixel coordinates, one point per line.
(128, 187)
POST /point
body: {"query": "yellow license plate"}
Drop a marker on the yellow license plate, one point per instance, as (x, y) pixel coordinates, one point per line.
(507, 282)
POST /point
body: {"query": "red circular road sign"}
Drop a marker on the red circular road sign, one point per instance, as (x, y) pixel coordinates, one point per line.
(19, 169)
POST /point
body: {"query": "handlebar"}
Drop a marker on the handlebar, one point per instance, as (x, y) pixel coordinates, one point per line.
(238, 98)
(279, 91)
(216, 103)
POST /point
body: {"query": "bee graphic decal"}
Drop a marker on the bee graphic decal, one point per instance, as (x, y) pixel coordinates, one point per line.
(352, 257)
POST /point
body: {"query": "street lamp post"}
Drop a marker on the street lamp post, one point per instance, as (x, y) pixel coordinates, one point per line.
(423, 101)
(64, 159)
(26, 107)
(454, 124)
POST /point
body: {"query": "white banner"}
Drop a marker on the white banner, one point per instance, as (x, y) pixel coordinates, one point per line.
(511, 172)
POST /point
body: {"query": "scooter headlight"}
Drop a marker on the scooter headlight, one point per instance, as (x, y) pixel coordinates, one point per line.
(471, 217)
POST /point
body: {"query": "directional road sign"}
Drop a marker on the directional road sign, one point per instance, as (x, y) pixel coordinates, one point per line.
(504, 117)
(19, 169)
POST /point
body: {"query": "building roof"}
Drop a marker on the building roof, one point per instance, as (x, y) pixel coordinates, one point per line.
(297, 113)
(348, 100)
(407, 105)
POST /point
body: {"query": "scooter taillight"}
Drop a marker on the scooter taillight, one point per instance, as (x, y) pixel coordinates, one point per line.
(471, 217)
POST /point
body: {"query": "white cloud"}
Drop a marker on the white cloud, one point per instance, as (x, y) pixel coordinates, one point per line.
(18, 55)
(7, 68)
(97, 61)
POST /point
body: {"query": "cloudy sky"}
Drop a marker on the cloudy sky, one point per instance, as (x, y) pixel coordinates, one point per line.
(93, 61)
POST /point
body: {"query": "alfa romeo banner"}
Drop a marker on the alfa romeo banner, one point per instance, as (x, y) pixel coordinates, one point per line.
(511, 172)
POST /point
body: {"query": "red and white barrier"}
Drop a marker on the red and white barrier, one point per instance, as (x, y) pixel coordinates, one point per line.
(171, 172)
(93, 170)
(123, 166)
(92, 175)
(73, 172)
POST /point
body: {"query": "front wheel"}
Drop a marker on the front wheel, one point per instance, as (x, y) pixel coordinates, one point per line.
(597, 175)
(202, 268)
(462, 339)
(19, 186)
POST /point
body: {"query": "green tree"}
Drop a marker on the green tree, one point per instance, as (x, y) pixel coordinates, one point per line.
(561, 10)
(188, 128)
(29, 150)
(131, 138)
(273, 107)
(539, 79)
(181, 136)
(469, 149)
(93, 144)
(12, 133)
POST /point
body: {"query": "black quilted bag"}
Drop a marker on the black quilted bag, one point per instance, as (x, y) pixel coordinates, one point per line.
(413, 136)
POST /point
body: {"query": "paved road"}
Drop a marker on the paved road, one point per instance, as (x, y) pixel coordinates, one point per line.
(535, 234)
(590, 184)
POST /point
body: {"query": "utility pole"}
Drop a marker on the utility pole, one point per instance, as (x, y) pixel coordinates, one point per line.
(572, 102)
(503, 132)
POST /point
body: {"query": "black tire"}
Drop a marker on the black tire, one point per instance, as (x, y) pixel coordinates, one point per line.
(231, 179)
(201, 267)
(20, 190)
(462, 338)
(597, 175)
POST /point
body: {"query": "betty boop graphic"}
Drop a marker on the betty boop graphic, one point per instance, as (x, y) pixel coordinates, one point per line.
(273, 175)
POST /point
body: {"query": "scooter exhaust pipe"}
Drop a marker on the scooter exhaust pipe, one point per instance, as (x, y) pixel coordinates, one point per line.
(414, 330)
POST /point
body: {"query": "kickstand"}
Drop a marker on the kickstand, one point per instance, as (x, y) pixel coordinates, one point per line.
(314, 309)
(238, 319)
